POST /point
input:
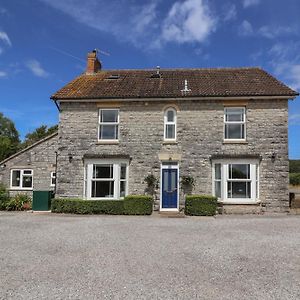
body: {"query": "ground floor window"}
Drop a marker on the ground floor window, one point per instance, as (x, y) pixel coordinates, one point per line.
(21, 179)
(106, 179)
(53, 178)
(236, 180)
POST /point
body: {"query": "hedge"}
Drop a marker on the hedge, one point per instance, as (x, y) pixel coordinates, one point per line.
(131, 205)
(200, 205)
(295, 178)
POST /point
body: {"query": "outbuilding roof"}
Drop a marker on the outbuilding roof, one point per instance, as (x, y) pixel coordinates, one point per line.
(170, 83)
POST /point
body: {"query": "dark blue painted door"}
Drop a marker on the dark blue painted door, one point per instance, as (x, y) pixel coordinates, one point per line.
(169, 188)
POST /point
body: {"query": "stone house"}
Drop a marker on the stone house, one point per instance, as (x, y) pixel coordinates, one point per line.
(226, 128)
(32, 168)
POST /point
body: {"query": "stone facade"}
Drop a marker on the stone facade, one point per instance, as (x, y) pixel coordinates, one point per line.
(40, 158)
(200, 126)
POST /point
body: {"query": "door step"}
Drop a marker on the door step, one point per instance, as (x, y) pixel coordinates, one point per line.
(171, 214)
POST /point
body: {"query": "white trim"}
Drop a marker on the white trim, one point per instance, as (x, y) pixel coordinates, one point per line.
(52, 177)
(166, 122)
(88, 171)
(234, 122)
(108, 123)
(164, 165)
(21, 179)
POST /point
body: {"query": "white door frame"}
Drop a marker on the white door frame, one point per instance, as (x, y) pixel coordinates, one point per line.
(165, 166)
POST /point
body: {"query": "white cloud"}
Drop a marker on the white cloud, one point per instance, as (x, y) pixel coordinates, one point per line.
(230, 12)
(4, 38)
(247, 3)
(272, 32)
(3, 74)
(188, 21)
(245, 29)
(143, 23)
(35, 67)
(294, 119)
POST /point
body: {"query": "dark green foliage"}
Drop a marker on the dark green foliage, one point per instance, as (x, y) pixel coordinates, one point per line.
(200, 205)
(38, 134)
(9, 138)
(295, 178)
(19, 202)
(138, 205)
(4, 197)
(295, 166)
(132, 205)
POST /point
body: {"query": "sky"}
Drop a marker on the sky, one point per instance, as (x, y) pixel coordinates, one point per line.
(44, 43)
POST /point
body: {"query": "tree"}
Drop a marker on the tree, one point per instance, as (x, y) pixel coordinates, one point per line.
(38, 134)
(294, 165)
(9, 137)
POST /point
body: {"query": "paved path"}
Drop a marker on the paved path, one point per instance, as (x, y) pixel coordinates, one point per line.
(127, 257)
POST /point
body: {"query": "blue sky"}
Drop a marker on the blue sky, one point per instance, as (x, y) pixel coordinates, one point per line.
(43, 45)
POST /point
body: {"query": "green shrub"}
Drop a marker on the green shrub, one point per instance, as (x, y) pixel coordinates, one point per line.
(131, 205)
(19, 202)
(295, 178)
(200, 205)
(4, 197)
(138, 205)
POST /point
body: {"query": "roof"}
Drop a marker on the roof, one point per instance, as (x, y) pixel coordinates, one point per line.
(222, 82)
(29, 147)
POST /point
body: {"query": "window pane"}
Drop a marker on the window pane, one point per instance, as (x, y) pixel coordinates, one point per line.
(217, 171)
(123, 171)
(103, 171)
(165, 181)
(234, 114)
(122, 188)
(170, 131)
(27, 172)
(102, 189)
(173, 181)
(170, 115)
(108, 132)
(16, 178)
(239, 189)
(27, 181)
(110, 115)
(218, 189)
(234, 131)
(239, 171)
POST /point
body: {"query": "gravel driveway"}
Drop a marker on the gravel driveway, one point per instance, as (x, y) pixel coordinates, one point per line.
(127, 257)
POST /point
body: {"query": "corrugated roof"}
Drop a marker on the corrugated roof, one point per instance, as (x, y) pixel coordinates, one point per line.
(222, 82)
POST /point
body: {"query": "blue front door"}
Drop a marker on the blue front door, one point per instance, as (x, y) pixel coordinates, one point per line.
(169, 188)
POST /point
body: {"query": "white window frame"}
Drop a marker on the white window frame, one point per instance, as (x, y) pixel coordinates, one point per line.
(108, 123)
(89, 163)
(21, 179)
(51, 178)
(166, 123)
(254, 173)
(235, 122)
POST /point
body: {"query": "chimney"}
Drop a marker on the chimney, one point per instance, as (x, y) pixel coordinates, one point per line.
(93, 63)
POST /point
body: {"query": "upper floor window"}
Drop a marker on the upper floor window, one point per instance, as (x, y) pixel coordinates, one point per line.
(108, 124)
(170, 124)
(21, 179)
(235, 123)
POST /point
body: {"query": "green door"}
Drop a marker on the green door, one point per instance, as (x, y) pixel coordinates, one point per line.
(41, 200)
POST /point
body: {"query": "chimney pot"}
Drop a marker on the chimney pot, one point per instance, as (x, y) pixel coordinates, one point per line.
(93, 63)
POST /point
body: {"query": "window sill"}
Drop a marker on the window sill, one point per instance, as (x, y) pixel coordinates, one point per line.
(20, 189)
(235, 142)
(107, 142)
(240, 202)
(170, 142)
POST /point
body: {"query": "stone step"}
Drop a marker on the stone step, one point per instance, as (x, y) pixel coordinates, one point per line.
(171, 214)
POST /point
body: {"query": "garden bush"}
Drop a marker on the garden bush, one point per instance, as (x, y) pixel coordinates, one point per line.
(19, 202)
(138, 205)
(131, 205)
(4, 197)
(295, 178)
(200, 205)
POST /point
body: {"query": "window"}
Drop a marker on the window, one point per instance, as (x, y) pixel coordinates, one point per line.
(106, 179)
(170, 124)
(235, 124)
(53, 179)
(21, 179)
(108, 124)
(236, 180)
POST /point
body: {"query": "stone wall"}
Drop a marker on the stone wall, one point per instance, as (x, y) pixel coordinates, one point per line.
(40, 158)
(199, 136)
